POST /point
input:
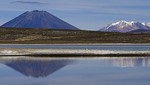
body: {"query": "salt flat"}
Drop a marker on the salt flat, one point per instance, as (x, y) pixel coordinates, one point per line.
(76, 50)
(66, 51)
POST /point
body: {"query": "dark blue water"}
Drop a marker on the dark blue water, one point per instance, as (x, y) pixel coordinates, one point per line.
(94, 47)
(75, 71)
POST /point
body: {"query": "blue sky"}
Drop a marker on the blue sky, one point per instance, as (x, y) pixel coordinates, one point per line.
(84, 14)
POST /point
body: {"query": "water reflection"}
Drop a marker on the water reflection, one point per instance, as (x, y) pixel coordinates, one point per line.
(37, 67)
(82, 71)
(42, 67)
(129, 61)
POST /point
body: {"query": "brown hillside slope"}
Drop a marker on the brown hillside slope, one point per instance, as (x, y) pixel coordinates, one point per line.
(46, 36)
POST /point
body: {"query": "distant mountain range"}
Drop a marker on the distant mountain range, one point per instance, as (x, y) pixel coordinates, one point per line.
(38, 19)
(45, 20)
(124, 26)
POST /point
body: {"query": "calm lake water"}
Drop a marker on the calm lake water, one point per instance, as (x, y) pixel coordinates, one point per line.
(75, 71)
(22, 70)
(132, 47)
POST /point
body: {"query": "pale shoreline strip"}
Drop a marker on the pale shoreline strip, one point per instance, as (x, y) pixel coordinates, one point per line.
(70, 52)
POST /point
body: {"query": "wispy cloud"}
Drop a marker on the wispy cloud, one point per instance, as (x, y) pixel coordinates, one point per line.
(28, 2)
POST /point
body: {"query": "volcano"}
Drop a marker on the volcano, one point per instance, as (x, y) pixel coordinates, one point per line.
(38, 19)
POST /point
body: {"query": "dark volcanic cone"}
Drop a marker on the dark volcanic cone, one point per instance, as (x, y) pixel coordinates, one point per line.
(38, 19)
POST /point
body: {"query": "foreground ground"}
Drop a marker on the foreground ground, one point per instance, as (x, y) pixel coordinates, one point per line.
(46, 36)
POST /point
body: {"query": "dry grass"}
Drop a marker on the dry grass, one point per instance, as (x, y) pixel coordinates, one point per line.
(46, 36)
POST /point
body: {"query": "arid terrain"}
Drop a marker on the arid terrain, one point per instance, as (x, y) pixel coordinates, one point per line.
(47, 36)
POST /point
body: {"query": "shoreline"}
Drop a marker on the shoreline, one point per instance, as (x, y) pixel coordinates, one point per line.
(9, 50)
(70, 52)
(86, 44)
(77, 55)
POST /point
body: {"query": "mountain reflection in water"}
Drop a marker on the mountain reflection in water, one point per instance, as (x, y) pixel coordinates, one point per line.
(76, 71)
(129, 61)
(37, 67)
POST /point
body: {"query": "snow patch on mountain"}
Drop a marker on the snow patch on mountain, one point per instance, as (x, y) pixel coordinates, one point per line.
(146, 24)
(124, 26)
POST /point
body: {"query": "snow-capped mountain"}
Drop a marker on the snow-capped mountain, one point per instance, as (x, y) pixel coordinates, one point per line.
(124, 26)
(146, 24)
(38, 19)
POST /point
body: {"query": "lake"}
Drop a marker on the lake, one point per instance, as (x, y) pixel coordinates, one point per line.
(26, 70)
(75, 71)
(133, 47)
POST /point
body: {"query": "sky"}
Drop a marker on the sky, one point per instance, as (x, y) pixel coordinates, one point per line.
(84, 14)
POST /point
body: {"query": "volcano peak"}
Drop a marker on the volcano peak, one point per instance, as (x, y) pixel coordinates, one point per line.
(39, 19)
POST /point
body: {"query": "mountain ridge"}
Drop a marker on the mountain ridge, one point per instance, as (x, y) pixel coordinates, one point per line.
(124, 26)
(38, 19)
